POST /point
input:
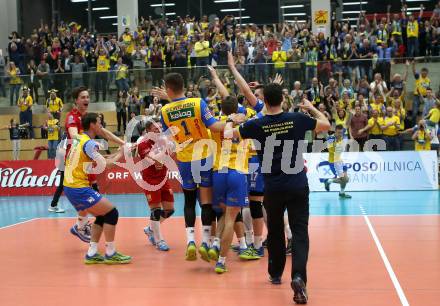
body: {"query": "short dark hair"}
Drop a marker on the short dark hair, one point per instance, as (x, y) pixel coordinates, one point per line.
(339, 127)
(174, 81)
(77, 90)
(229, 105)
(88, 119)
(273, 94)
(429, 88)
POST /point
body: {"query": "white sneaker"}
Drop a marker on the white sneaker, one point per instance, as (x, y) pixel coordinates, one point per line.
(56, 209)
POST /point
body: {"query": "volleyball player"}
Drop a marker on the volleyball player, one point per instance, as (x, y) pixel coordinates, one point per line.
(73, 128)
(84, 151)
(336, 146)
(189, 120)
(161, 201)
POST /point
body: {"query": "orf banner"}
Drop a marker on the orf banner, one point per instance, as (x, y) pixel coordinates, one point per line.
(40, 177)
(370, 171)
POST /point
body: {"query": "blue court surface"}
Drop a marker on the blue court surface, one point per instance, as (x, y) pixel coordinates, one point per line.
(390, 203)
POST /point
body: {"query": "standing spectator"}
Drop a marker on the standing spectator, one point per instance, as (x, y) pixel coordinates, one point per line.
(366, 54)
(429, 102)
(53, 135)
(297, 95)
(422, 83)
(134, 102)
(25, 103)
(121, 110)
(2, 74)
(279, 58)
(202, 55)
(357, 123)
(43, 75)
(311, 60)
(138, 57)
(154, 108)
(412, 34)
(14, 136)
(422, 137)
(78, 67)
(156, 59)
(102, 71)
(373, 127)
(54, 104)
(385, 54)
(390, 126)
(59, 81)
(33, 82)
(260, 58)
(14, 82)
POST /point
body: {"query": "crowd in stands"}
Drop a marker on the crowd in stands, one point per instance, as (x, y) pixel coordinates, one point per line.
(347, 75)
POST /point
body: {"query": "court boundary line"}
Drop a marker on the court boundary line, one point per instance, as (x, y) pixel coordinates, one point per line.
(385, 260)
(18, 223)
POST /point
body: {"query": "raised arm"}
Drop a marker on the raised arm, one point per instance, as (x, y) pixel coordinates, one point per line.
(241, 82)
(218, 83)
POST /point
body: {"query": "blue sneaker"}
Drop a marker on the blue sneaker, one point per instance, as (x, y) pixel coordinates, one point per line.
(162, 246)
(213, 253)
(248, 254)
(235, 248)
(83, 234)
(220, 268)
(260, 251)
(150, 235)
(203, 251)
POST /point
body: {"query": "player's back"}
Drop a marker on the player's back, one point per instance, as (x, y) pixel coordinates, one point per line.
(75, 175)
(190, 117)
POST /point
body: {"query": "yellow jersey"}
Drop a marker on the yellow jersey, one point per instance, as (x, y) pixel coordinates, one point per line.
(14, 78)
(231, 153)
(421, 84)
(434, 115)
(54, 105)
(335, 149)
(53, 129)
(25, 103)
(412, 29)
(188, 119)
(375, 128)
(391, 130)
(77, 162)
(279, 58)
(401, 113)
(379, 107)
(121, 72)
(421, 143)
(102, 63)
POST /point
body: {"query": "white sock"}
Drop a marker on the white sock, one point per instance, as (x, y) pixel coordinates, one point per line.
(110, 248)
(190, 235)
(93, 248)
(206, 233)
(247, 219)
(342, 190)
(211, 241)
(258, 242)
(155, 227)
(330, 181)
(249, 237)
(242, 242)
(288, 231)
(216, 242)
(222, 260)
(82, 221)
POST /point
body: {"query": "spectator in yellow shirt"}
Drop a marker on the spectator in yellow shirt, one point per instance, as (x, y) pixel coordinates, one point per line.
(53, 135)
(25, 103)
(102, 70)
(373, 127)
(54, 104)
(422, 137)
(412, 33)
(14, 82)
(390, 126)
(433, 116)
(422, 83)
(121, 76)
(279, 58)
(202, 51)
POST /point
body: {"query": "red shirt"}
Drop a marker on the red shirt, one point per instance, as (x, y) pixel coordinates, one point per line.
(151, 175)
(73, 119)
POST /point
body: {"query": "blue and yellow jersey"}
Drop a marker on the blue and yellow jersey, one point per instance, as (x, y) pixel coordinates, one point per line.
(189, 120)
(78, 160)
(231, 153)
(335, 149)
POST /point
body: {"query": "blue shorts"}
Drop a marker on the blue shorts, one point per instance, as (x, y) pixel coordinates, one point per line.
(230, 188)
(255, 179)
(190, 180)
(82, 198)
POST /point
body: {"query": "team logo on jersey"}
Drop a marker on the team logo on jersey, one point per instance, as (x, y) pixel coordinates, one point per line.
(181, 114)
(90, 200)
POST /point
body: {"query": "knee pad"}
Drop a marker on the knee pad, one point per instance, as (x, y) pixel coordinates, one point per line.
(99, 220)
(256, 209)
(239, 217)
(111, 217)
(256, 193)
(155, 214)
(166, 213)
(207, 214)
